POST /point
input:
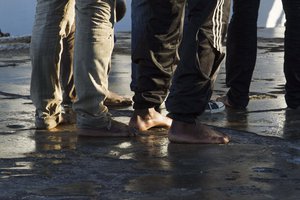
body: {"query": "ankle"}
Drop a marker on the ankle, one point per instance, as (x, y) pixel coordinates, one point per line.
(145, 112)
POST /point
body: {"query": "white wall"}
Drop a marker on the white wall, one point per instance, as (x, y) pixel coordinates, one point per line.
(270, 14)
(16, 16)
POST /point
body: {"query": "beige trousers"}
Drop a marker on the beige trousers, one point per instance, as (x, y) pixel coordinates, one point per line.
(92, 53)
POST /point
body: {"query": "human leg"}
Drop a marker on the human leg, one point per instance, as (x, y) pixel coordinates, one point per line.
(93, 48)
(292, 53)
(140, 14)
(67, 74)
(192, 83)
(155, 66)
(241, 51)
(67, 79)
(120, 9)
(142, 119)
(113, 99)
(45, 52)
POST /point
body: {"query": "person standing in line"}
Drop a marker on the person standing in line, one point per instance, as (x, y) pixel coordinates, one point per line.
(140, 14)
(292, 53)
(94, 41)
(241, 52)
(157, 54)
(67, 79)
(242, 49)
(147, 114)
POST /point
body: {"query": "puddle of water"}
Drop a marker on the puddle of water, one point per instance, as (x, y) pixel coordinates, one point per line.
(124, 145)
(21, 165)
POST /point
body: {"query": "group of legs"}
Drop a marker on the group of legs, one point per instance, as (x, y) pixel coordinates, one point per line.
(156, 53)
(141, 13)
(184, 84)
(242, 49)
(240, 63)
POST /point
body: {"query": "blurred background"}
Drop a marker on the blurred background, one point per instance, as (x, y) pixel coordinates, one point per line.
(17, 16)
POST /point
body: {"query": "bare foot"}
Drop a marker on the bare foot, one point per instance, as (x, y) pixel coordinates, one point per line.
(144, 119)
(196, 133)
(113, 99)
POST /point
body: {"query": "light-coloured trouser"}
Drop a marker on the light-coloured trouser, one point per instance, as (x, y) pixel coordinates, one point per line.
(93, 47)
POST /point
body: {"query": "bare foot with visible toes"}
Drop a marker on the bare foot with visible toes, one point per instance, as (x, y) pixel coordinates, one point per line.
(144, 119)
(195, 133)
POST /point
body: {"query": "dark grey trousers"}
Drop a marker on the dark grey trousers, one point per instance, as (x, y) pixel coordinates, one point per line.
(241, 50)
(292, 52)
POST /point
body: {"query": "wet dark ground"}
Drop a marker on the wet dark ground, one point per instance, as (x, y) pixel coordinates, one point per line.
(262, 161)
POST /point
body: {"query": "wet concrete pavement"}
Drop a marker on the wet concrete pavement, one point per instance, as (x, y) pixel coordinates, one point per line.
(262, 161)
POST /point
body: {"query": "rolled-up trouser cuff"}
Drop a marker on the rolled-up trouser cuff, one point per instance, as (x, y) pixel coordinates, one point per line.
(148, 100)
(187, 118)
(145, 106)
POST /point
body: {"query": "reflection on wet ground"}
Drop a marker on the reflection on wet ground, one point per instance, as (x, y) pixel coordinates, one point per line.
(59, 165)
(262, 161)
